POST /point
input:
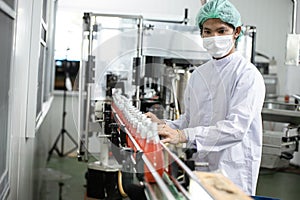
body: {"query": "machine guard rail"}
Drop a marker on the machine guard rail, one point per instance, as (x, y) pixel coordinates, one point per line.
(160, 182)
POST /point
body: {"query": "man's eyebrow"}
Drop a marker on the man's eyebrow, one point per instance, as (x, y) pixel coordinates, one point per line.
(217, 29)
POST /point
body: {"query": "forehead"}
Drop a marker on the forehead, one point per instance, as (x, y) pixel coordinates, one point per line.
(214, 23)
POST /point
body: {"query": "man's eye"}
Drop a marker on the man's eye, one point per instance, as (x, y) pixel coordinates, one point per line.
(222, 31)
(206, 32)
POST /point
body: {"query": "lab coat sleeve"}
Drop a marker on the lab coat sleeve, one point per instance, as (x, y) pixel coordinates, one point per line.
(245, 103)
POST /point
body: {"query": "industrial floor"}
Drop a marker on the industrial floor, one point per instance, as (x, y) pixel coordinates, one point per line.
(64, 179)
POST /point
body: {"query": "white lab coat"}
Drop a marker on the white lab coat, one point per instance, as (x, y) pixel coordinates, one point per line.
(223, 103)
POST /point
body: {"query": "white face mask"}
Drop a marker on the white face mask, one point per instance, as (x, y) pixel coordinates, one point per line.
(218, 46)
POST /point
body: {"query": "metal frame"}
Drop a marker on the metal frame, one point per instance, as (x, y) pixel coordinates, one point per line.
(85, 92)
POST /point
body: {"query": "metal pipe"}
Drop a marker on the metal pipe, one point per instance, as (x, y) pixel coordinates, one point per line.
(294, 19)
(140, 37)
(103, 136)
(296, 96)
(117, 15)
(87, 117)
(81, 88)
(252, 32)
(184, 21)
(90, 46)
(138, 61)
(177, 113)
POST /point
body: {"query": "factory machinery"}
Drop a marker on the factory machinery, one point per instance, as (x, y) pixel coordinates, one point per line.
(131, 65)
(281, 131)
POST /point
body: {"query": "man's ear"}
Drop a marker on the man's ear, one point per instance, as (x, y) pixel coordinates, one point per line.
(237, 32)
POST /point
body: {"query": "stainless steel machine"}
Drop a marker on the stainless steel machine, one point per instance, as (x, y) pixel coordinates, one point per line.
(281, 131)
(132, 65)
(147, 63)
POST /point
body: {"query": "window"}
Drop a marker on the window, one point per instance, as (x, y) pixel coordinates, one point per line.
(71, 68)
(41, 65)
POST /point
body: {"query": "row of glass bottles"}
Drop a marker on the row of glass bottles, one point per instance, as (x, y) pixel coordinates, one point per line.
(143, 131)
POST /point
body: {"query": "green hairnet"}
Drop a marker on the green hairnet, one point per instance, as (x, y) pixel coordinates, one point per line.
(221, 9)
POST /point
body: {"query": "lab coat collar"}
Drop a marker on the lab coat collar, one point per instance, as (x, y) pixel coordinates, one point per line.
(224, 61)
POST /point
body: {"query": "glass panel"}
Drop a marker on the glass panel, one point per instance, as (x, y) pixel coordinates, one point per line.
(5, 56)
(114, 47)
(47, 75)
(45, 11)
(40, 81)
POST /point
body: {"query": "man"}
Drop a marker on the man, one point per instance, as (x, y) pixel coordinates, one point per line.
(223, 102)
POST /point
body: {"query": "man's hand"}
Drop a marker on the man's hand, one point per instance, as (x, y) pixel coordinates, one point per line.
(171, 135)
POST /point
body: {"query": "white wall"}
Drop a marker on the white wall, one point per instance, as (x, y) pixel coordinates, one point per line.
(273, 19)
(21, 154)
(27, 155)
